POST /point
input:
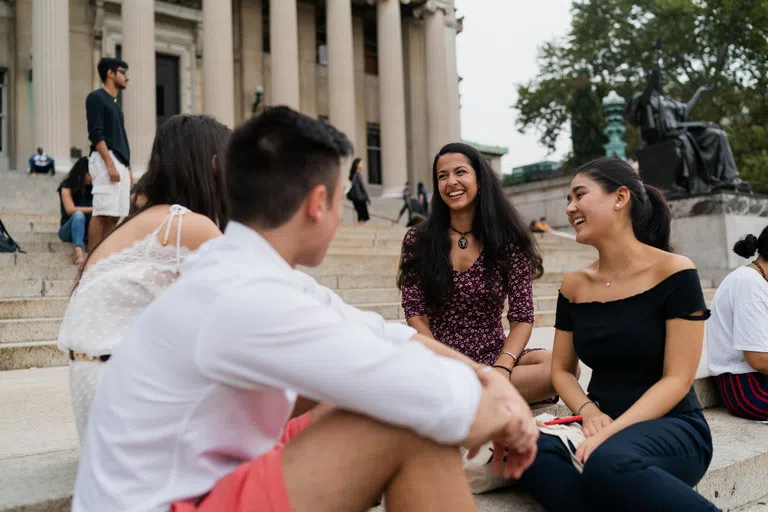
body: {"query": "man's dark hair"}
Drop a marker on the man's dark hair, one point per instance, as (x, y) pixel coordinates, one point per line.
(275, 159)
(109, 64)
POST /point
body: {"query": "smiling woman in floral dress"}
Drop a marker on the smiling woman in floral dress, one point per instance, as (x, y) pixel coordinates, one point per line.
(460, 266)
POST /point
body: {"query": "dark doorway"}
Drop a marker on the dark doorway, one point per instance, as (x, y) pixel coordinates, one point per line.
(167, 87)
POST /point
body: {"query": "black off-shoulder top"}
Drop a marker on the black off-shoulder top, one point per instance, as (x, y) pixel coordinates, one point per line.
(623, 341)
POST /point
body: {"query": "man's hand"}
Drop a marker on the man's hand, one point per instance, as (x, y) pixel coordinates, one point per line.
(519, 434)
(112, 171)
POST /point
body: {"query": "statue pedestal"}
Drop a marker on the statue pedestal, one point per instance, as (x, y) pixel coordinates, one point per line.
(705, 227)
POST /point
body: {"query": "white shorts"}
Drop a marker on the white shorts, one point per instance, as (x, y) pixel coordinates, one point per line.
(110, 199)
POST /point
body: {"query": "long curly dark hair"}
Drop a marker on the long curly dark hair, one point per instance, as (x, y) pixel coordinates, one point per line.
(497, 225)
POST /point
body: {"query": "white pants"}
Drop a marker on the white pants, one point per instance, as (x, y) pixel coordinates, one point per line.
(110, 199)
(84, 377)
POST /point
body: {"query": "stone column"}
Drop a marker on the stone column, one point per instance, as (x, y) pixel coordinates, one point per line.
(437, 80)
(341, 68)
(284, 43)
(394, 158)
(50, 80)
(140, 96)
(454, 126)
(218, 62)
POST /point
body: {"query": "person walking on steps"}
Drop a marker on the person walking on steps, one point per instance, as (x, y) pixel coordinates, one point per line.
(110, 159)
(358, 193)
(406, 202)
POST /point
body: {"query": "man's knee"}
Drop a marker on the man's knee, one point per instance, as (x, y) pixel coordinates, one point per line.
(78, 216)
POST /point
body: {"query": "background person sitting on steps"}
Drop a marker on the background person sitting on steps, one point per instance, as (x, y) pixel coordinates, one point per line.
(76, 203)
(41, 163)
(737, 332)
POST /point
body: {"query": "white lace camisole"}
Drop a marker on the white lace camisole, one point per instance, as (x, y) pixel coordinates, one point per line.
(114, 290)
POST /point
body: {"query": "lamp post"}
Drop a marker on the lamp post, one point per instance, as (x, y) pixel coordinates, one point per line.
(259, 95)
(613, 106)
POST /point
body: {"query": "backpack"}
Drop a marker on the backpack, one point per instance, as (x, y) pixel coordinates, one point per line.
(7, 243)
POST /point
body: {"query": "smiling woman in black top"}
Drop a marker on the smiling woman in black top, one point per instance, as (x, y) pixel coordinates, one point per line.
(635, 317)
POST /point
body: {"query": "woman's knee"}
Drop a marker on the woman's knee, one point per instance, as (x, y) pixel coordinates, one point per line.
(78, 216)
(608, 463)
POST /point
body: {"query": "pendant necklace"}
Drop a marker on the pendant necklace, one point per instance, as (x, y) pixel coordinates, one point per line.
(463, 242)
(759, 268)
(608, 283)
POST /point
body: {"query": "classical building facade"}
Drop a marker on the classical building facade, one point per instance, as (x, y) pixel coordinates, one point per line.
(383, 71)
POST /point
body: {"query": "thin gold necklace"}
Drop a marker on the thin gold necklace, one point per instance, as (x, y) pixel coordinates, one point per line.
(608, 283)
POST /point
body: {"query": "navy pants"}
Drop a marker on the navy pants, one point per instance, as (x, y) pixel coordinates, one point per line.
(649, 466)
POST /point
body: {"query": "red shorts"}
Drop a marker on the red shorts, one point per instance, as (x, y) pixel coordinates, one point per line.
(256, 485)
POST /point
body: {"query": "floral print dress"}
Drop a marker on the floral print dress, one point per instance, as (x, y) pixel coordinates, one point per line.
(471, 320)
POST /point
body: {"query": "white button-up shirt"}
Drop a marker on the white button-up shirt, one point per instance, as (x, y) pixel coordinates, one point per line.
(208, 375)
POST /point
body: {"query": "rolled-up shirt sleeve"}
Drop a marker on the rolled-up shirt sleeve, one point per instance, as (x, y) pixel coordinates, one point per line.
(94, 115)
(277, 335)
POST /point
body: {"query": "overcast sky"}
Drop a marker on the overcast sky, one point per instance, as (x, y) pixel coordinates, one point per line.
(496, 52)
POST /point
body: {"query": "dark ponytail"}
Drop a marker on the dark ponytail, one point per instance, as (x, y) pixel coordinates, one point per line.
(750, 244)
(650, 215)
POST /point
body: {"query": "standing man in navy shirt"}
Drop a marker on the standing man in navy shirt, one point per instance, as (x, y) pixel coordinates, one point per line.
(109, 163)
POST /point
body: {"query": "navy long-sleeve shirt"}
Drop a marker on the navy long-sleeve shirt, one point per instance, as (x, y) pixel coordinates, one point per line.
(106, 122)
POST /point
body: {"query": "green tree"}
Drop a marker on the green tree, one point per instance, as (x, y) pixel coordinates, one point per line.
(612, 43)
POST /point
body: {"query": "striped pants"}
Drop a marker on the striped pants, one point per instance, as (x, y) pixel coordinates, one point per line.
(745, 395)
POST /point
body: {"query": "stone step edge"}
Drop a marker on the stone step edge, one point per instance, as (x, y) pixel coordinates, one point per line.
(714, 484)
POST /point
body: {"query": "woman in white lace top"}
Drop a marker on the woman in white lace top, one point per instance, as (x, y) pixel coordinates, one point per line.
(181, 206)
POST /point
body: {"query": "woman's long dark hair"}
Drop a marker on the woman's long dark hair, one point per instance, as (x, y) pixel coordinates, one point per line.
(180, 171)
(353, 169)
(496, 225)
(75, 181)
(649, 213)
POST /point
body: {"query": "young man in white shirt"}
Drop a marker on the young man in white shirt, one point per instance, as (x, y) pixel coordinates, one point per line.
(193, 411)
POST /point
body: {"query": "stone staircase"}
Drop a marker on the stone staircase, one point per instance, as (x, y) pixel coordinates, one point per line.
(38, 443)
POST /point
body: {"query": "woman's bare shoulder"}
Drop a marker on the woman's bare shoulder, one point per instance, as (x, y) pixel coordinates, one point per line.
(670, 263)
(196, 229)
(573, 280)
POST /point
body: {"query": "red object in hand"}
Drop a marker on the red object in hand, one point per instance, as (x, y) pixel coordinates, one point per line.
(563, 421)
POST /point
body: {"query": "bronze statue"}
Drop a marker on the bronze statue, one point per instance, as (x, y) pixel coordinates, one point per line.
(696, 153)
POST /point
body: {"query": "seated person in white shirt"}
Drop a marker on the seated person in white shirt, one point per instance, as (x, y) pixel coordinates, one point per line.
(737, 333)
(194, 410)
(41, 163)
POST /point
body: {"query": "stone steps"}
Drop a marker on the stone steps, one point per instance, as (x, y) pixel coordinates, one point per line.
(38, 471)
